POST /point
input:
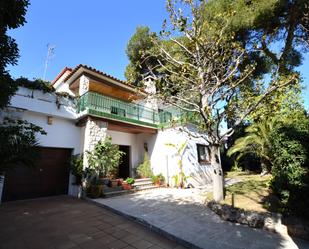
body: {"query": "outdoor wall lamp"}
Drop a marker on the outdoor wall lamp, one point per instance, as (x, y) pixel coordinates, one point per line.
(49, 120)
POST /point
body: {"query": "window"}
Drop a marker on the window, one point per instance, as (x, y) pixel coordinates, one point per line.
(118, 111)
(202, 153)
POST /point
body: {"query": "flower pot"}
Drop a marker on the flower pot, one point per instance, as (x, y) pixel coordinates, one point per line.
(126, 186)
(114, 183)
(95, 191)
(120, 181)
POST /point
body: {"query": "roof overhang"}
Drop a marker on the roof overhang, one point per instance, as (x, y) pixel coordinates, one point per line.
(98, 75)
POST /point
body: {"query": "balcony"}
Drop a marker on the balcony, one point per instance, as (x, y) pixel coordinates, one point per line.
(110, 108)
(103, 106)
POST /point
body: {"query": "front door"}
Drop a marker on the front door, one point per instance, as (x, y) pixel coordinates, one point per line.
(124, 167)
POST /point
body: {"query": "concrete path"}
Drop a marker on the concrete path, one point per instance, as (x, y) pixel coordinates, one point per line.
(67, 223)
(181, 214)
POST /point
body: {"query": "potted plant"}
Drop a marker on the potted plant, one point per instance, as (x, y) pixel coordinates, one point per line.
(158, 180)
(95, 189)
(144, 170)
(155, 180)
(104, 160)
(161, 179)
(120, 181)
(76, 167)
(127, 184)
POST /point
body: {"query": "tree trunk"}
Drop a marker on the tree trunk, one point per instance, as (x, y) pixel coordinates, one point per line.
(265, 165)
(218, 178)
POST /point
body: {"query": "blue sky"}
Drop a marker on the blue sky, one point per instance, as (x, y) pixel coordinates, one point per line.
(91, 32)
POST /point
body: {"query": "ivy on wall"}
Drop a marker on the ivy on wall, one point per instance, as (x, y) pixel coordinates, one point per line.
(41, 85)
(36, 84)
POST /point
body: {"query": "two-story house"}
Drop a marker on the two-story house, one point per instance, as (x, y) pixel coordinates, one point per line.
(102, 105)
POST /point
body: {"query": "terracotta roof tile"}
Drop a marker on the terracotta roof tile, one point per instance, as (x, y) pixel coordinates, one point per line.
(60, 74)
(99, 72)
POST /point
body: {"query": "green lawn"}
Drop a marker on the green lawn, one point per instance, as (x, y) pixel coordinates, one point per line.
(252, 193)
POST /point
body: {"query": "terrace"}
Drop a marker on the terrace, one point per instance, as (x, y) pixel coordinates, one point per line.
(103, 106)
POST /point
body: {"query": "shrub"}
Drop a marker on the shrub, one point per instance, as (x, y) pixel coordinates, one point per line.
(105, 158)
(76, 167)
(161, 178)
(36, 84)
(236, 167)
(158, 179)
(144, 169)
(155, 179)
(18, 144)
(290, 181)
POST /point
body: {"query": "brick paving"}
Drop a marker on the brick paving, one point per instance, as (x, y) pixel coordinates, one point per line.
(67, 223)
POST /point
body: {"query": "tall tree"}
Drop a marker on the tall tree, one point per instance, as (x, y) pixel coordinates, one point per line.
(274, 32)
(205, 72)
(12, 16)
(305, 23)
(17, 137)
(137, 50)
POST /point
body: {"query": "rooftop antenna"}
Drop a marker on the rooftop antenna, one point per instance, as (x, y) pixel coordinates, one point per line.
(50, 53)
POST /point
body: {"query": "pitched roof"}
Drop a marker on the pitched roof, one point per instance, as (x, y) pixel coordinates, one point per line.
(99, 72)
(60, 74)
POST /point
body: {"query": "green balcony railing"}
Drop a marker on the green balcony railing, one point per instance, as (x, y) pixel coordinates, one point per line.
(104, 106)
(101, 105)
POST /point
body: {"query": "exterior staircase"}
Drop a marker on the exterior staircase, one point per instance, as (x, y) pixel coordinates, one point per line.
(143, 184)
(139, 185)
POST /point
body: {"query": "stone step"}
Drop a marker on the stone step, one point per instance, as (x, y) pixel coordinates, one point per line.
(143, 186)
(116, 193)
(142, 180)
(142, 183)
(139, 188)
(123, 192)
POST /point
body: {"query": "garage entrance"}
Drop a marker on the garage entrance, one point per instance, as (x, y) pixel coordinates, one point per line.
(49, 177)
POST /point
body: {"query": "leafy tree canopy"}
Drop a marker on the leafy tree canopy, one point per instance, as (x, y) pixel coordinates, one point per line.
(137, 51)
(18, 143)
(218, 65)
(273, 31)
(12, 15)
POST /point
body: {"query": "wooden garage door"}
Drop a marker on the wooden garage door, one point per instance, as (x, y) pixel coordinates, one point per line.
(50, 177)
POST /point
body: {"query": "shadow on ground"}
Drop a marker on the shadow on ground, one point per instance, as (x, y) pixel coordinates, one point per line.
(181, 214)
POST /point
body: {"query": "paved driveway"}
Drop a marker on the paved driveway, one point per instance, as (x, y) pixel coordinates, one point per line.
(66, 223)
(181, 213)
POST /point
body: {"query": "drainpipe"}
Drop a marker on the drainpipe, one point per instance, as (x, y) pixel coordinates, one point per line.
(167, 171)
(1, 186)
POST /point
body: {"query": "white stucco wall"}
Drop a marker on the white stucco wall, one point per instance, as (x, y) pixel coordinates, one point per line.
(35, 106)
(164, 160)
(45, 103)
(62, 133)
(60, 81)
(64, 87)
